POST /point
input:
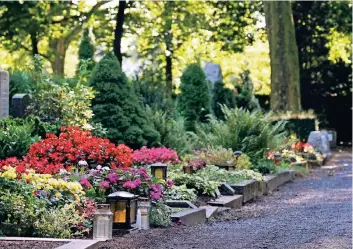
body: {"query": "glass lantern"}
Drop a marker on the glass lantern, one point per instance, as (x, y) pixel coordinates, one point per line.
(188, 169)
(124, 208)
(159, 170)
(102, 223)
(144, 205)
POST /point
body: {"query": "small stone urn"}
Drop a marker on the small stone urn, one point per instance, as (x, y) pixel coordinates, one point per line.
(144, 205)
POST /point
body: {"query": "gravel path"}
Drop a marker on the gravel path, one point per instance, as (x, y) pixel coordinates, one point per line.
(311, 212)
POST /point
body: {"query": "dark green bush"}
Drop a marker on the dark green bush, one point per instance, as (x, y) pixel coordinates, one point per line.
(193, 102)
(222, 96)
(244, 97)
(86, 52)
(117, 108)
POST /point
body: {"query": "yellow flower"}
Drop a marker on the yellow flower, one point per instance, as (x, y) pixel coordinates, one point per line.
(58, 195)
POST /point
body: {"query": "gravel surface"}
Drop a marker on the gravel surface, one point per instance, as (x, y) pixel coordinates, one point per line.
(29, 244)
(314, 212)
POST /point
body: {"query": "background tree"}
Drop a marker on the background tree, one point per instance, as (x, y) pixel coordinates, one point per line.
(222, 96)
(285, 85)
(193, 103)
(117, 108)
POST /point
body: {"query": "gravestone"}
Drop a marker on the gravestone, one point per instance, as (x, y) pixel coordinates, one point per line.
(320, 141)
(4, 94)
(213, 72)
(19, 104)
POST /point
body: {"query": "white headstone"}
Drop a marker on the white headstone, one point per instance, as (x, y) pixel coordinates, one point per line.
(4, 94)
(320, 141)
(213, 72)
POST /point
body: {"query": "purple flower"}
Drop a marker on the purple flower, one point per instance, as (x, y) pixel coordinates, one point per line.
(85, 183)
(156, 191)
(113, 178)
(170, 183)
(104, 184)
(132, 184)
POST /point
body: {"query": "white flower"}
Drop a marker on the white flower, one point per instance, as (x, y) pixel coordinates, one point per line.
(82, 163)
(106, 168)
(98, 167)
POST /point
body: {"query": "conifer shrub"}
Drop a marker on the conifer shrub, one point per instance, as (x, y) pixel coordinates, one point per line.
(194, 100)
(117, 107)
(222, 96)
(86, 51)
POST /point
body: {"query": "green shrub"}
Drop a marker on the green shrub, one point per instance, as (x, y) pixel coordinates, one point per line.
(172, 131)
(244, 89)
(222, 96)
(180, 193)
(193, 102)
(243, 162)
(160, 215)
(20, 82)
(265, 167)
(16, 135)
(117, 108)
(86, 52)
(59, 222)
(250, 132)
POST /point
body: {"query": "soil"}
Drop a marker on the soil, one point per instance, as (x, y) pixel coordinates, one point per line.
(29, 244)
(314, 212)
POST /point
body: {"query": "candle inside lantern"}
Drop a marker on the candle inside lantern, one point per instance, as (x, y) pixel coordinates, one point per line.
(120, 212)
(158, 173)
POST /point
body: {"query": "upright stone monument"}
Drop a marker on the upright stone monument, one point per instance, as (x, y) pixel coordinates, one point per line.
(19, 104)
(320, 141)
(4, 94)
(213, 72)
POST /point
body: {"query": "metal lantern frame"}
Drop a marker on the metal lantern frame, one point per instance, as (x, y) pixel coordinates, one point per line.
(159, 170)
(123, 219)
(188, 169)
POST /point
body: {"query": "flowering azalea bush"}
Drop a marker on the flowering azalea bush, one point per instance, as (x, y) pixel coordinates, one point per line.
(303, 147)
(197, 163)
(146, 156)
(72, 146)
(99, 182)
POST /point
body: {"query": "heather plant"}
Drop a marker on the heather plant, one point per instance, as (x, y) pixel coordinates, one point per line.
(146, 156)
(117, 108)
(193, 102)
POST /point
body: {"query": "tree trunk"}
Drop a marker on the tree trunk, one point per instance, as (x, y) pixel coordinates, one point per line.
(168, 38)
(119, 30)
(285, 87)
(34, 44)
(58, 63)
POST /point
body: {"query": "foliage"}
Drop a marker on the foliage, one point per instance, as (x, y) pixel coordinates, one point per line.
(265, 167)
(86, 51)
(244, 97)
(173, 132)
(73, 146)
(160, 215)
(116, 106)
(249, 132)
(197, 163)
(218, 156)
(180, 193)
(59, 222)
(194, 100)
(243, 162)
(222, 96)
(20, 82)
(146, 156)
(16, 137)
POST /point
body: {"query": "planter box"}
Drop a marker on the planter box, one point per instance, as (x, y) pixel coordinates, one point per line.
(190, 217)
(271, 183)
(247, 188)
(261, 186)
(226, 167)
(180, 204)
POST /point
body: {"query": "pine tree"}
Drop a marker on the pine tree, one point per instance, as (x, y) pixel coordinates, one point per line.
(222, 96)
(194, 100)
(86, 51)
(117, 108)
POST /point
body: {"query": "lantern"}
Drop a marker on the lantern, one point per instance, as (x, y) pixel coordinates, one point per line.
(188, 169)
(277, 157)
(144, 205)
(124, 208)
(237, 153)
(102, 223)
(159, 170)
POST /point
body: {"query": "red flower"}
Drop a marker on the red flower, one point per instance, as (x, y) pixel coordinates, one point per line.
(20, 169)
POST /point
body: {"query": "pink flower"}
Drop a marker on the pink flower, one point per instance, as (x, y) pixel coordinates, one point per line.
(104, 184)
(170, 183)
(85, 183)
(146, 156)
(156, 191)
(132, 184)
(112, 177)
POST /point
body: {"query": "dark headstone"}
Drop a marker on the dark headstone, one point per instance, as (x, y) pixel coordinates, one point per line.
(19, 104)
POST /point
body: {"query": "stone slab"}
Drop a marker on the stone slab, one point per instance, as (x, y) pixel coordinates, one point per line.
(190, 217)
(271, 183)
(235, 201)
(226, 189)
(81, 244)
(35, 239)
(210, 210)
(247, 188)
(180, 204)
(261, 185)
(4, 94)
